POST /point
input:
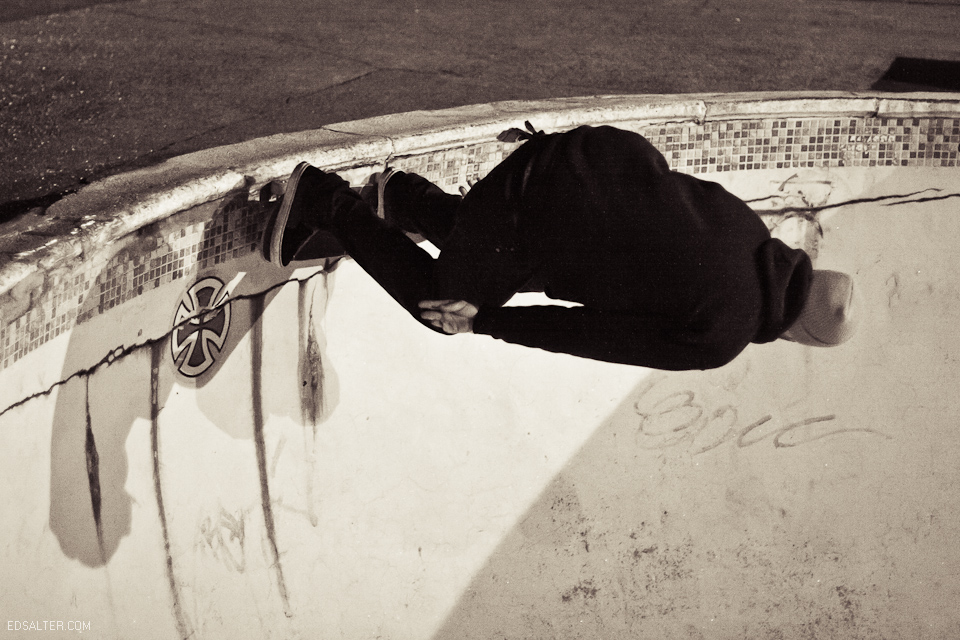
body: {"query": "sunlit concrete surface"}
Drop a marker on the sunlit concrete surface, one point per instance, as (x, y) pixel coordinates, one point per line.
(329, 468)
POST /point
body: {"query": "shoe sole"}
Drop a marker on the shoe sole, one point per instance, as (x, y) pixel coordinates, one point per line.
(283, 215)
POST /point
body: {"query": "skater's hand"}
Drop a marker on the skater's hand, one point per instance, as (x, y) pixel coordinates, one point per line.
(450, 316)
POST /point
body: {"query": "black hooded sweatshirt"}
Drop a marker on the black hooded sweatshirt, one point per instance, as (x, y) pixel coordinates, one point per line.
(672, 272)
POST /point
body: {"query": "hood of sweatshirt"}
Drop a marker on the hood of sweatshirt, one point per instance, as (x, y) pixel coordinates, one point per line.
(785, 277)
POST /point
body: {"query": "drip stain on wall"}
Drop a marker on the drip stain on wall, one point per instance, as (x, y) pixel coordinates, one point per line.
(90, 509)
(93, 470)
(256, 392)
(311, 369)
(319, 390)
(156, 355)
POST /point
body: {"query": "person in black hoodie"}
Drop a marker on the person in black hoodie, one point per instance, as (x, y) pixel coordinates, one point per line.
(665, 270)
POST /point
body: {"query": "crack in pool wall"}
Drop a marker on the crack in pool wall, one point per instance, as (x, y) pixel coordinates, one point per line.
(817, 209)
(930, 199)
(809, 214)
(122, 351)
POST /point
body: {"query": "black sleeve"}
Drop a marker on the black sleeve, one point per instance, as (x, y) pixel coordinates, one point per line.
(609, 336)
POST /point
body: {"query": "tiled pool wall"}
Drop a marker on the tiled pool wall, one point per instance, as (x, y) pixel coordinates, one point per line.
(193, 241)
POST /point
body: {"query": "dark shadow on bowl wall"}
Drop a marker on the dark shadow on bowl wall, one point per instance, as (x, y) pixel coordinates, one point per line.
(616, 543)
(90, 511)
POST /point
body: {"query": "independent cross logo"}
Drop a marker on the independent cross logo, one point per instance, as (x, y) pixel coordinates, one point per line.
(200, 327)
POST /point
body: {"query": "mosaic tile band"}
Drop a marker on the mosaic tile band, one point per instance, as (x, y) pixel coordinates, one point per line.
(234, 230)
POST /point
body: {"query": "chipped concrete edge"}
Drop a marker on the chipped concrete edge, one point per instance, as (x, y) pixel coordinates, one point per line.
(100, 214)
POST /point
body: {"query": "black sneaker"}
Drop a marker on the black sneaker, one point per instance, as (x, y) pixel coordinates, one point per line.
(304, 211)
(374, 194)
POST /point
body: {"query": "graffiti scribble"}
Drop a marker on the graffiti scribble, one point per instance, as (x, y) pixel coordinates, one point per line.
(679, 418)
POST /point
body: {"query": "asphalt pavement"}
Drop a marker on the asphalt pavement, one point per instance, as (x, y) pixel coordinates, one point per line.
(88, 89)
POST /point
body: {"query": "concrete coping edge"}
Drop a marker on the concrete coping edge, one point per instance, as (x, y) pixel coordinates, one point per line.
(101, 213)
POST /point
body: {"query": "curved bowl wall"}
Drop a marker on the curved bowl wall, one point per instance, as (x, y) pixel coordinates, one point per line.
(196, 444)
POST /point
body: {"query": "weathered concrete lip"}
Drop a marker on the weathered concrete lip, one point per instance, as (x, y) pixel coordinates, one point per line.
(102, 212)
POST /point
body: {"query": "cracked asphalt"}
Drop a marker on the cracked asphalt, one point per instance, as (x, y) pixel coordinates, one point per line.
(89, 89)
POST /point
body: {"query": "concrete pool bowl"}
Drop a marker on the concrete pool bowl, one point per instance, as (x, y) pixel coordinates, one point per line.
(196, 444)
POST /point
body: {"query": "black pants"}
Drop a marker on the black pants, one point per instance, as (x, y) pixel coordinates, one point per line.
(483, 258)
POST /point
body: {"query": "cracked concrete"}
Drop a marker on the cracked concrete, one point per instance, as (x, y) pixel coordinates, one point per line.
(121, 351)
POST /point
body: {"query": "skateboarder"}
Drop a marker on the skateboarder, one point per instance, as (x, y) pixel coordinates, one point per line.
(666, 271)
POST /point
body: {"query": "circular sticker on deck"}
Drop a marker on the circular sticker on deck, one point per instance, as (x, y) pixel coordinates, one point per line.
(200, 327)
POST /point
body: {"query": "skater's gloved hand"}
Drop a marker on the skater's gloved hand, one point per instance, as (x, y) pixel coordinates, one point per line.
(450, 316)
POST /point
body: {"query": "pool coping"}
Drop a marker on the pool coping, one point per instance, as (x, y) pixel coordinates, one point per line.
(83, 224)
